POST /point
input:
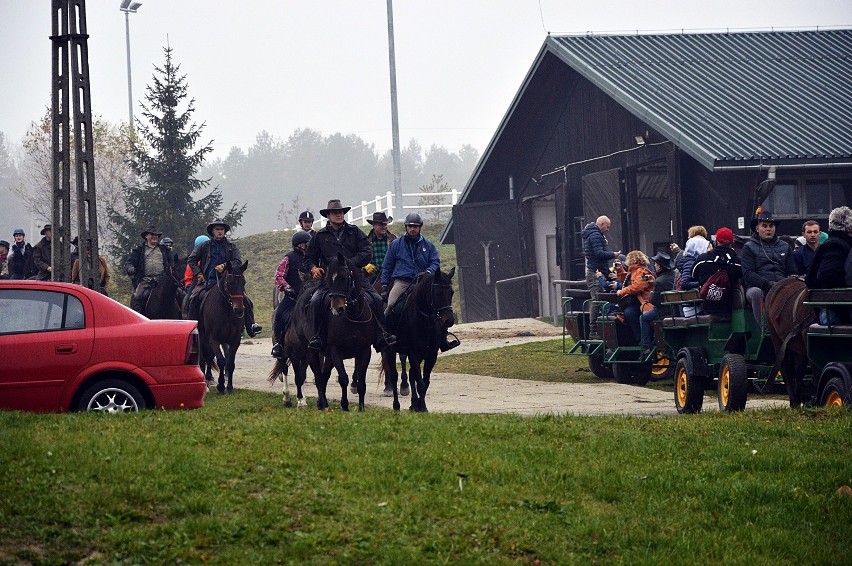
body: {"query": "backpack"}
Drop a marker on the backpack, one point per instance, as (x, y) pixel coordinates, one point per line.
(717, 288)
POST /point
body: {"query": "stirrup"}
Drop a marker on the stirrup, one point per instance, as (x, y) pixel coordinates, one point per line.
(277, 350)
(315, 343)
(450, 344)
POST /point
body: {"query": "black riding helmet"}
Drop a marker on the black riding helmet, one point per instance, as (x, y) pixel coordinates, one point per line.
(301, 237)
(413, 219)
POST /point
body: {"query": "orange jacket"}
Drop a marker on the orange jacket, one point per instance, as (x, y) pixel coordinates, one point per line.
(641, 285)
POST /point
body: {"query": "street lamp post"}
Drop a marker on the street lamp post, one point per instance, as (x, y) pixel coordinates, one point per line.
(127, 7)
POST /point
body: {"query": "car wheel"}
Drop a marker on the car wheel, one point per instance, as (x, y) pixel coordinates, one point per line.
(599, 368)
(112, 396)
(688, 387)
(835, 393)
(733, 383)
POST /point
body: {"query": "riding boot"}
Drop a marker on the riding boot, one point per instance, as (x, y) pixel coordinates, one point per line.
(315, 320)
(278, 349)
(382, 339)
(252, 329)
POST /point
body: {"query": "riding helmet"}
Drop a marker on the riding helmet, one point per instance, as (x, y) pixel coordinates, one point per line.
(201, 239)
(301, 237)
(306, 215)
(413, 219)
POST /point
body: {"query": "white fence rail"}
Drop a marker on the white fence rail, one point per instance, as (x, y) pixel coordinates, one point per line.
(385, 203)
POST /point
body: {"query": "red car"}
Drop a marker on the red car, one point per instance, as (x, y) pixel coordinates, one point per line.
(69, 348)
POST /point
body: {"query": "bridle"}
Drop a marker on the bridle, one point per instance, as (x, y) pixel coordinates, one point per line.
(351, 297)
(435, 312)
(235, 300)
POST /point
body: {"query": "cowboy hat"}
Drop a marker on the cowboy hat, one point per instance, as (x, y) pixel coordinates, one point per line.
(664, 259)
(46, 228)
(151, 230)
(215, 223)
(380, 218)
(334, 205)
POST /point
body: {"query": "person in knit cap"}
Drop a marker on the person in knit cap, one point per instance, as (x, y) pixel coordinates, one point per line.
(724, 257)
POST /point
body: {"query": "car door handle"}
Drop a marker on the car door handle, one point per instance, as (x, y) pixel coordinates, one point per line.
(66, 349)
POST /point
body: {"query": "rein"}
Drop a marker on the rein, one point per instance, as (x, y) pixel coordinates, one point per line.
(351, 298)
(222, 286)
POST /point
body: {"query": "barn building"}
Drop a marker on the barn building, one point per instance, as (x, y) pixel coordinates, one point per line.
(658, 132)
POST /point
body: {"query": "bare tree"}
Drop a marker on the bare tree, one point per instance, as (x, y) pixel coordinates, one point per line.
(289, 215)
(436, 185)
(111, 150)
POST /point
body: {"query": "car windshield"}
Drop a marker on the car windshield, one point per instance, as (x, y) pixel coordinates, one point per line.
(23, 310)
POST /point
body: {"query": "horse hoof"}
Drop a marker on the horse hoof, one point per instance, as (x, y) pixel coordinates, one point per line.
(301, 404)
(396, 406)
(288, 403)
(327, 409)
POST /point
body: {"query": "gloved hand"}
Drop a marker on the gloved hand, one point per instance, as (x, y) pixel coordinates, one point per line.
(290, 292)
(384, 293)
(370, 268)
(220, 268)
(131, 271)
(199, 278)
(317, 272)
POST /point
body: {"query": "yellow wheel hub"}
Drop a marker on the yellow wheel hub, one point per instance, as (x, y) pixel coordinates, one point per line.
(833, 400)
(725, 385)
(680, 384)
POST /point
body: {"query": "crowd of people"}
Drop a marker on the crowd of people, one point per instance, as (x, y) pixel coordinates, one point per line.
(715, 268)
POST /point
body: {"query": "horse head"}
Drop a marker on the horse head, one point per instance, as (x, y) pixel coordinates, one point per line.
(341, 277)
(232, 285)
(441, 297)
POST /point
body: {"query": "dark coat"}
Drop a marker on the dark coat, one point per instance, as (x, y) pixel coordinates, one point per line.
(595, 249)
(18, 256)
(765, 263)
(136, 259)
(709, 263)
(828, 269)
(199, 259)
(665, 282)
(353, 244)
(42, 256)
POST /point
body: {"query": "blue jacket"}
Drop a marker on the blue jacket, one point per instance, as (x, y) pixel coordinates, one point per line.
(406, 259)
(594, 248)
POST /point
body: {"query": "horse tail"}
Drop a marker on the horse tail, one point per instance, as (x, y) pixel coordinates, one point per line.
(281, 366)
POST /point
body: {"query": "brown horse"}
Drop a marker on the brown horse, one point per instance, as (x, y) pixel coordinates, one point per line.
(788, 320)
(220, 325)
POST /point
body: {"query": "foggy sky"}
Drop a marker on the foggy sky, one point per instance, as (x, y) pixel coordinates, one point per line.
(280, 65)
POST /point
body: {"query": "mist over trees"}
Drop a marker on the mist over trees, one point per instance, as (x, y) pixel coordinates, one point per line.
(277, 178)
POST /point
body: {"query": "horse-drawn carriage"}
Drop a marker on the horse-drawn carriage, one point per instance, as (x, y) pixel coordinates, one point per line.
(728, 353)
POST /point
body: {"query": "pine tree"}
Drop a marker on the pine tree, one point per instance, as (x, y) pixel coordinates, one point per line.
(165, 162)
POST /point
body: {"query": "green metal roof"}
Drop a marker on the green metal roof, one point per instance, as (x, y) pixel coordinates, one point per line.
(729, 99)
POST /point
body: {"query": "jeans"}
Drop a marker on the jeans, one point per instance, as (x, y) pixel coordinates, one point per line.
(647, 331)
(631, 317)
(594, 311)
(754, 295)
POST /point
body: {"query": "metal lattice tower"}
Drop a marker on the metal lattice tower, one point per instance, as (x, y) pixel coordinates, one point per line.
(71, 81)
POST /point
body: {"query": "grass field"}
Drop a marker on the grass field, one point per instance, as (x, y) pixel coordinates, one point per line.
(244, 481)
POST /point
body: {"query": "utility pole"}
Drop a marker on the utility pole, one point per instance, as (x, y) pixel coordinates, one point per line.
(70, 45)
(397, 172)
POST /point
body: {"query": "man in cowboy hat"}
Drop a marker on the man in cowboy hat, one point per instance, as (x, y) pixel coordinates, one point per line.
(380, 240)
(207, 260)
(42, 254)
(146, 265)
(340, 236)
(766, 259)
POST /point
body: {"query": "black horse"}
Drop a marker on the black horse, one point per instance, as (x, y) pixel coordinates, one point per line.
(351, 328)
(419, 319)
(220, 325)
(163, 301)
(296, 351)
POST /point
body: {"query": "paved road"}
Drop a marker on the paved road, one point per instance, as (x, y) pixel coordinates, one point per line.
(462, 393)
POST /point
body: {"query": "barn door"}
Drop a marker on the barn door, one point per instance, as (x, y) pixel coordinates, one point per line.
(602, 196)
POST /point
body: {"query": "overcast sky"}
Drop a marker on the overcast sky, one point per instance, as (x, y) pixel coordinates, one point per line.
(256, 65)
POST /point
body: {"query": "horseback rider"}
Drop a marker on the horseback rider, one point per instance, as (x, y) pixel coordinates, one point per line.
(306, 222)
(288, 280)
(380, 240)
(339, 236)
(207, 261)
(408, 257)
(146, 265)
(189, 278)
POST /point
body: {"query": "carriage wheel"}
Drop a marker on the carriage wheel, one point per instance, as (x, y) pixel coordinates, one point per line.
(835, 393)
(662, 368)
(733, 383)
(631, 374)
(599, 368)
(689, 388)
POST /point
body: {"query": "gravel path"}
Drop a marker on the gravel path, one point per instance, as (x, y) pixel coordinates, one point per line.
(463, 393)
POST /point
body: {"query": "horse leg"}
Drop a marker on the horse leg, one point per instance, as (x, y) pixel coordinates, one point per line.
(404, 390)
(428, 364)
(321, 380)
(220, 361)
(232, 364)
(793, 370)
(361, 363)
(391, 374)
(300, 370)
(417, 388)
(342, 379)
